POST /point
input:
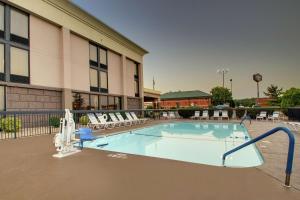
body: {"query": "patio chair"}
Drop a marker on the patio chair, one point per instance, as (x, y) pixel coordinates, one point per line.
(204, 115)
(216, 114)
(143, 120)
(103, 120)
(262, 115)
(130, 118)
(85, 134)
(165, 115)
(122, 120)
(196, 115)
(93, 122)
(115, 120)
(172, 115)
(224, 114)
(274, 116)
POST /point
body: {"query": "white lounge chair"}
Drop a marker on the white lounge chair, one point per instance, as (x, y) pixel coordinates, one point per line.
(165, 115)
(216, 114)
(172, 115)
(94, 123)
(196, 115)
(224, 114)
(204, 115)
(115, 119)
(103, 120)
(262, 115)
(122, 120)
(143, 120)
(275, 116)
(129, 118)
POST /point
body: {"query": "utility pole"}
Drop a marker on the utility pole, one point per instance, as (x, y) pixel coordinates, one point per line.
(223, 72)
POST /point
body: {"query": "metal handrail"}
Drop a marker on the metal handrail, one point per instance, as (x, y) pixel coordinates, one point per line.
(245, 118)
(289, 163)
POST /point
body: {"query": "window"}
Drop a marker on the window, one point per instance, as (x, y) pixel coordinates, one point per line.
(93, 78)
(103, 101)
(94, 102)
(93, 55)
(136, 80)
(19, 65)
(1, 20)
(136, 88)
(2, 62)
(103, 58)
(2, 98)
(103, 80)
(19, 27)
(118, 103)
(98, 69)
(14, 45)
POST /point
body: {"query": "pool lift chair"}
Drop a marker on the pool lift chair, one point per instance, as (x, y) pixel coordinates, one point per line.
(65, 140)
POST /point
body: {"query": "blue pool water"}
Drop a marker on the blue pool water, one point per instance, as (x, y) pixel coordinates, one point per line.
(190, 142)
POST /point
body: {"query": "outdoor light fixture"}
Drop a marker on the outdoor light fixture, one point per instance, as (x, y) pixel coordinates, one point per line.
(223, 72)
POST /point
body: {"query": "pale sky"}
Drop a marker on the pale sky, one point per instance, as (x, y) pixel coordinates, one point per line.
(189, 40)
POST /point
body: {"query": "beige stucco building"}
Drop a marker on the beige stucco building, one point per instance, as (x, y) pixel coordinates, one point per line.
(51, 50)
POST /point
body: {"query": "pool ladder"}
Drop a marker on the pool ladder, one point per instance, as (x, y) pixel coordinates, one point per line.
(290, 157)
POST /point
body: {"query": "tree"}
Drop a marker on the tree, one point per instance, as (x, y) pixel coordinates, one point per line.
(273, 92)
(290, 98)
(220, 95)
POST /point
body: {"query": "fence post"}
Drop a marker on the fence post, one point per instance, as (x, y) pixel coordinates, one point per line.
(15, 127)
(50, 131)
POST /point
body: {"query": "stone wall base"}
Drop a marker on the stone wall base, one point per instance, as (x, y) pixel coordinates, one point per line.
(19, 98)
(134, 103)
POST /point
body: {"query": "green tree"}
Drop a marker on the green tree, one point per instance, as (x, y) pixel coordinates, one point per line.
(273, 91)
(220, 95)
(290, 98)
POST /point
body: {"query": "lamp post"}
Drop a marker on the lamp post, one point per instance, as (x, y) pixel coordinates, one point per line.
(223, 72)
(231, 85)
(257, 78)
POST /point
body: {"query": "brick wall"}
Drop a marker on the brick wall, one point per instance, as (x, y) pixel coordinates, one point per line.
(186, 103)
(134, 103)
(18, 98)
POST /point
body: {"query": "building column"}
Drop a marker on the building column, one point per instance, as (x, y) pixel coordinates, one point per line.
(141, 84)
(66, 68)
(124, 81)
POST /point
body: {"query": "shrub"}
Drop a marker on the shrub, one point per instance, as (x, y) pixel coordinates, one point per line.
(84, 120)
(186, 113)
(240, 113)
(54, 121)
(10, 124)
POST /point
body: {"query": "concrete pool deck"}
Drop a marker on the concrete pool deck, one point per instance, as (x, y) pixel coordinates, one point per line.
(28, 171)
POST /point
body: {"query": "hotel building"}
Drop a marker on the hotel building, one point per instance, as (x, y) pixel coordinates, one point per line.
(52, 50)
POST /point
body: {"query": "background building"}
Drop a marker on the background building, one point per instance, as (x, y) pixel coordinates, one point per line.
(52, 50)
(185, 99)
(151, 98)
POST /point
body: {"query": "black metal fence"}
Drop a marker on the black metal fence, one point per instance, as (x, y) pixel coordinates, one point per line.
(294, 113)
(17, 124)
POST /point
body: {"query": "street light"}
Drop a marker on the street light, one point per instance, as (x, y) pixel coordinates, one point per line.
(223, 72)
(230, 85)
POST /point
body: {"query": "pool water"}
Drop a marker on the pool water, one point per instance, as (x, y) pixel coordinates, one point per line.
(203, 143)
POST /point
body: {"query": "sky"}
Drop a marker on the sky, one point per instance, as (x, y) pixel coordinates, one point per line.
(189, 40)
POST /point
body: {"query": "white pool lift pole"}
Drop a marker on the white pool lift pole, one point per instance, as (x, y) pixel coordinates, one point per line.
(64, 140)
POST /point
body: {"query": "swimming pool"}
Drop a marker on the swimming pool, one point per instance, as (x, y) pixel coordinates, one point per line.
(203, 143)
